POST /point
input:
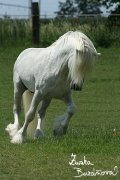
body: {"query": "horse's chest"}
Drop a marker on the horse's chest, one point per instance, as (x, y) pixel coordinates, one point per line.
(57, 90)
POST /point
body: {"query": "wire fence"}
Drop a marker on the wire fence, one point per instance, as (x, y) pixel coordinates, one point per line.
(113, 19)
(19, 27)
(52, 16)
(24, 11)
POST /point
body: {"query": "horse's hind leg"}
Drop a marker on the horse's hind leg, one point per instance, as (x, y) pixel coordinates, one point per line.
(19, 136)
(19, 88)
(41, 115)
(61, 125)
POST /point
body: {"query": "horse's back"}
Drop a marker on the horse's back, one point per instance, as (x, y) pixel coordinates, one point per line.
(28, 56)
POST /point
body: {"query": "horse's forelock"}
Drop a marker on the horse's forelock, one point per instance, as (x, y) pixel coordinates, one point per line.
(79, 51)
(82, 61)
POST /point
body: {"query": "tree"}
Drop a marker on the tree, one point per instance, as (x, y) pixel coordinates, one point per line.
(76, 7)
(88, 6)
(71, 8)
(116, 10)
(66, 9)
(6, 16)
(109, 3)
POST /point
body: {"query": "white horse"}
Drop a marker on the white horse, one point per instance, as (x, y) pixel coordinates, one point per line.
(50, 73)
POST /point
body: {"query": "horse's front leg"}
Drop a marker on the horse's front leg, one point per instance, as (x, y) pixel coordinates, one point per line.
(19, 136)
(41, 115)
(61, 125)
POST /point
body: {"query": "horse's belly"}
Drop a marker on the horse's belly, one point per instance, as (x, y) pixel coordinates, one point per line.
(28, 80)
(29, 84)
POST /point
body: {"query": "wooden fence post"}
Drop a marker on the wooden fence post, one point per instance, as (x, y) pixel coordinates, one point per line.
(35, 23)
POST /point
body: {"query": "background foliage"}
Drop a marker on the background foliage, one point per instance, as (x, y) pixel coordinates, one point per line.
(104, 32)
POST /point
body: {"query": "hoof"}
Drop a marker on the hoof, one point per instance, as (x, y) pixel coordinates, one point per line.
(59, 130)
(38, 134)
(17, 139)
(12, 129)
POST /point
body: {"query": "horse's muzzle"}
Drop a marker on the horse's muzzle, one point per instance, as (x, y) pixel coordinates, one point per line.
(76, 87)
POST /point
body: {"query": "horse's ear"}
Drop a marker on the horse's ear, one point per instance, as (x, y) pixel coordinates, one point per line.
(99, 54)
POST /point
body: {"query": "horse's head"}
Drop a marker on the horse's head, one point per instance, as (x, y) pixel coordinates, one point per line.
(76, 54)
(80, 65)
(81, 61)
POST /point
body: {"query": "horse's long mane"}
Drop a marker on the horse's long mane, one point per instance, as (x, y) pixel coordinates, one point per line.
(76, 49)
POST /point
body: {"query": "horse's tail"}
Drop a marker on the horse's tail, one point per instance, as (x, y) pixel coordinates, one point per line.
(27, 98)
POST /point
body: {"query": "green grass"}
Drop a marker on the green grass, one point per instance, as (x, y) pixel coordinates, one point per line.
(90, 131)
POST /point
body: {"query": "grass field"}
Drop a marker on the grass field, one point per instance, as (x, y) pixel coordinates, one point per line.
(90, 132)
